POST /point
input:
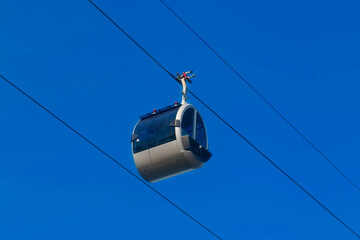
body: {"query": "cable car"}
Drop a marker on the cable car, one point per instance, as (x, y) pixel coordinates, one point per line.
(171, 140)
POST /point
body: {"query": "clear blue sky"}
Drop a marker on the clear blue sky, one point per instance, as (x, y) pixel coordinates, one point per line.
(303, 56)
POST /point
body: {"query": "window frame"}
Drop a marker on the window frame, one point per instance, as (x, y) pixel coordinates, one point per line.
(194, 124)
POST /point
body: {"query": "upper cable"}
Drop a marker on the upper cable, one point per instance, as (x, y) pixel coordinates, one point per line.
(262, 97)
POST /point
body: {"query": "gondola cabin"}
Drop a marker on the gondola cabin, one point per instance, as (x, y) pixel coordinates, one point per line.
(169, 141)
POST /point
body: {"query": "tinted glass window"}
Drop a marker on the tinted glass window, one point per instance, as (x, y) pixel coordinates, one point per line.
(161, 127)
(187, 122)
(154, 131)
(145, 137)
(200, 131)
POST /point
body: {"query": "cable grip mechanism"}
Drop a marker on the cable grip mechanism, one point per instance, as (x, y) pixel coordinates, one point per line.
(182, 79)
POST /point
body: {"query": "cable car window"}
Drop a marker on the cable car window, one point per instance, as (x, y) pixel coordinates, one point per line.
(161, 126)
(145, 136)
(154, 131)
(200, 131)
(187, 124)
